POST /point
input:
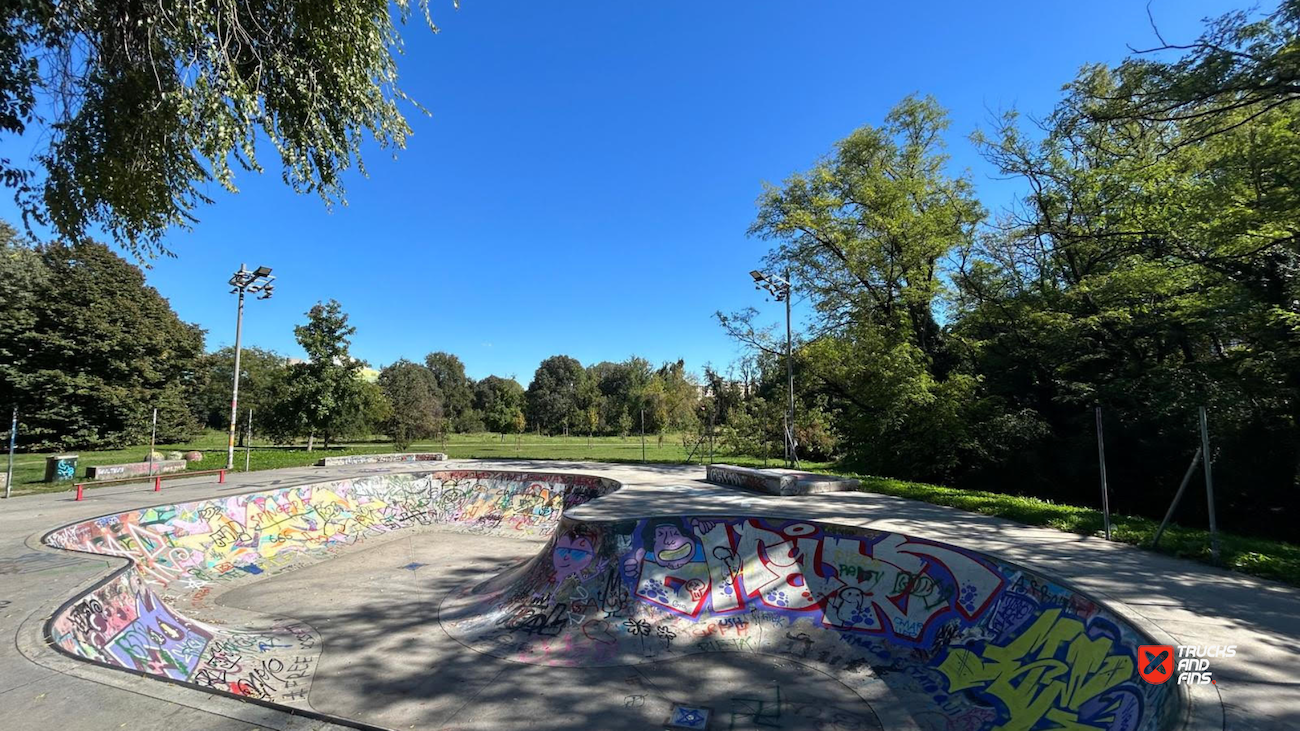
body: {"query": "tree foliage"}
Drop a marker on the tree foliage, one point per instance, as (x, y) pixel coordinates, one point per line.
(88, 350)
(552, 397)
(263, 384)
(1150, 267)
(141, 105)
(501, 403)
(326, 395)
(865, 232)
(415, 403)
(457, 390)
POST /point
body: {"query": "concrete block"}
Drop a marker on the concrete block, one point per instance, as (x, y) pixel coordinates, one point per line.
(354, 459)
(134, 469)
(777, 482)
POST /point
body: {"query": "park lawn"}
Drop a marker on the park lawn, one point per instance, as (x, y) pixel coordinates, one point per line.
(29, 469)
(1261, 557)
(1255, 556)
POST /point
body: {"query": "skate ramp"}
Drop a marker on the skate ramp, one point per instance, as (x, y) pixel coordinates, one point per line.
(156, 616)
(927, 635)
(931, 636)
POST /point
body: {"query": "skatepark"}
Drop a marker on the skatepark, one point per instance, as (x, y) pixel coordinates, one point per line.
(562, 595)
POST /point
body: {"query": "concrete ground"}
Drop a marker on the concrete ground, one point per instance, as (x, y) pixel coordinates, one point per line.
(387, 661)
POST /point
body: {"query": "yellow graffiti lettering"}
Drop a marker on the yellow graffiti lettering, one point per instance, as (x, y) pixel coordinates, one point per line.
(1049, 671)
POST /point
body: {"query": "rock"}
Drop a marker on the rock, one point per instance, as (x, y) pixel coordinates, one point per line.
(152, 457)
(175, 455)
(194, 456)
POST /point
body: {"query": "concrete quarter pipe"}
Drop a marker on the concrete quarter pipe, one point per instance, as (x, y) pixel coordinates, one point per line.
(926, 635)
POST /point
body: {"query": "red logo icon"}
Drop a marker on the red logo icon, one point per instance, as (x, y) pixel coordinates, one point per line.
(1156, 663)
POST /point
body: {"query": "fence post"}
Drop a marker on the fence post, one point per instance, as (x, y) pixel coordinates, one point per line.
(157, 483)
(221, 477)
(1178, 496)
(1101, 458)
(711, 415)
(153, 433)
(1209, 486)
(643, 435)
(9, 472)
(79, 490)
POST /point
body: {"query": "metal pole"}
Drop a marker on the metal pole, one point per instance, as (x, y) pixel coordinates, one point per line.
(1209, 485)
(1101, 457)
(789, 372)
(234, 392)
(642, 435)
(1178, 496)
(153, 435)
(13, 434)
(248, 439)
(711, 415)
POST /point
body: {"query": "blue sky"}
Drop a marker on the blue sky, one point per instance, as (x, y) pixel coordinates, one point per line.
(588, 172)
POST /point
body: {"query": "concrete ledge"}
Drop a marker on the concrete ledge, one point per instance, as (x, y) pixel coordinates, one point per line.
(382, 458)
(777, 482)
(133, 469)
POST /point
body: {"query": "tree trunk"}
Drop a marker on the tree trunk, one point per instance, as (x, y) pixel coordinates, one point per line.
(311, 440)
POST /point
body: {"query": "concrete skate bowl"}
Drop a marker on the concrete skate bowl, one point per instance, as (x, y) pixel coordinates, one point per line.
(156, 615)
(920, 635)
(929, 636)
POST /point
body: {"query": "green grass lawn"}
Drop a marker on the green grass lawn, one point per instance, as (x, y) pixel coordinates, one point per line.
(1255, 556)
(29, 469)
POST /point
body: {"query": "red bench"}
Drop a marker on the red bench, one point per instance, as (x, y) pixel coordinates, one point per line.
(157, 479)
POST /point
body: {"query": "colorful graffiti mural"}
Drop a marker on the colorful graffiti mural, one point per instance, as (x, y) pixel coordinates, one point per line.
(144, 618)
(965, 641)
(960, 640)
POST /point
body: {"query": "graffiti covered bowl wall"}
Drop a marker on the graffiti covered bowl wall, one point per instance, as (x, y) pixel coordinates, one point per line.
(960, 639)
(179, 553)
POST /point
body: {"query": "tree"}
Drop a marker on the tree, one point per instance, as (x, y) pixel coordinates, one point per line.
(589, 401)
(416, 404)
(681, 395)
(1149, 269)
(324, 391)
(865, 232)
(1237, 71)
(367, 417)
(457, 390)
(552, 398)
(621, 387)
(501, 402)
(263, 383)
(88, 350)
(145, 104)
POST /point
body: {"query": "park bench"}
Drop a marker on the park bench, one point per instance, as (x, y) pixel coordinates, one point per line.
(157, 479)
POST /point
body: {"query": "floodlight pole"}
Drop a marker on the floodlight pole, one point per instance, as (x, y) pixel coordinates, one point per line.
(789, 372)
(234, 392)
(243, 281)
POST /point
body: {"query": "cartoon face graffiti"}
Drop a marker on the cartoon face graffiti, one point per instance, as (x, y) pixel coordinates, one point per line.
(672, 547)
(573, 553)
